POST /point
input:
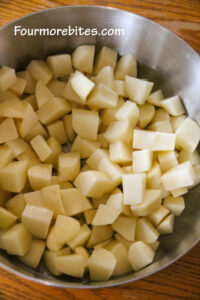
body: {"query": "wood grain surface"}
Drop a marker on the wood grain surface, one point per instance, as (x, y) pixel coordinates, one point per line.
(182, 279)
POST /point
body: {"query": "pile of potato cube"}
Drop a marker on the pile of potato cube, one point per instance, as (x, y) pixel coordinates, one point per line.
(101, 206)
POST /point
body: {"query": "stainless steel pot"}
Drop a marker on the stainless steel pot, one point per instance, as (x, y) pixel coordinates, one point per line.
(163, 58)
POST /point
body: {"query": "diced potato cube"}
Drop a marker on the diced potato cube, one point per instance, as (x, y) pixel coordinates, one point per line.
(105, 76)
(60, 64)
(161, 115)
(37, 220)
(126, 227)
(52, 242)
(40, 71)
(122, 240)
(81, 85)
(101, 264)
(175, 205)
(12, 108)
(145, 231)
(167, 225)
(83, 58)
(102, 97)
(99, 234)
(128, 169)
(68, 127)
(8, 131)
(154, 245)
(89, 215)
(176, 121)
(57, 130)
(173, 106)
(6, 155)
(85, 254)
(85, 147)
(108, 114)
(7, 78)
(18, 146)
(184, 156)
(81, 238)
(33, 198)
(56, 149)
(53, 109)
(138, 90)
(116, 200)
(16, 205)
(38, 129)
(105, 215)
(146, 114)
(188, 135)
(119, 130)
(70, 94)
(167, 160)
(158, 215)
(42, 93)
(56, 87)
(85, 168)
(13, 176)
(102, 140)
(19, 86)
(119, 88)
(85, 123)
(50, 259)
(134, 188)
(106, 57)
(33, 256)
(120, 152)
(30, 81)
(17, 240)
(66, 229)
(51, 198)
(93, 183)
(164, 141)
(29, 156)
(72, 264)
(161, 126)
(142, 161)
(152, 200)
(96, 157)
(180, 176)
(114, 171)
(143, 139)
(25, 125)
(126, 65)
(6, 218)
(156, 97)
(96, 201)
(140, 255)
(40, 176)
(179, 192)
(68, 166)
(41, 147)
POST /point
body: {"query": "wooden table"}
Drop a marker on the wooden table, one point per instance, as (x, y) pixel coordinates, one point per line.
(182, 279)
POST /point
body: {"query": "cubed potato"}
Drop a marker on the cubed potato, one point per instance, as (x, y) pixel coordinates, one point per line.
(81, 238)
(67, 120)
(74, 202)
(29, 156)
(188, 135)
(85, 147)
(167, 225)
(108, 114)
(56, 87)
(6, 218)
(57, 130)
(93, 183)
(85, 254)
(96, 157)
(113, 170)
(18, 146)
(105, 76)
(83, 58)
(161, 126)
(81, 85)
(128, 169)
(40, 176)
(33, 198)
(37, 220)
(56, 149)
(89, 215)
(116, 200)
(33, 256)
(173, 106)
(60, 64)
(70, 94)
(53, 109)
(184, 156)
(71, 264)
(121, 254)
(164, 141)
(85, 123)
(7, 95)
(52, 242)
(25, 125)
(145, 231)
(175, 205)
(180, 176)
(63, 184)
(158, 215)
(102, 140)
(38, 129)
(119, 88)
(154, 245)
(146, 114)
(41, 147)
(119, 130)
(143, 139)
(126, 227)
(142, 161)
(8, 131)
(68, 166)
(16, 205)
(12, 108)
(126, 65)
(13, 176)
(103, 244)
(152, 200)
(160, 115)
(155, 98)
(30, 82)
(7, 78)
(102, 97)
(167, 160)
(101, 264)
(99, 234)
(96, 201)
(105, 215)
(138, 90)
(106, 57)
(6, 155)
(42, 93)
(40, 71)
(66, 229)
(176, 121)
(134, 186)
(51, 198)
(140, 255)
(179, 192)
(50, 259)
(122, 240)
(85, 168)
(120, 152)
(19, 86)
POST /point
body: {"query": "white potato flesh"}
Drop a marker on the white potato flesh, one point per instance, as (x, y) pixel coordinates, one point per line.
(38, 129)
(96, 157)
(126, 227)
(16, 205)
(106, 57)
(56, 149)
(51, 198)
(176, 121)
(6, 218)
(85, 254)
(31, 82)
(119, 130)
(8, 131)
(146, 114)
(162, 126)
(160, 115)
(42, 93)
(167, 160)
(112, 170)
(7, 78)
(70, 95)
(184, 156)
(106, 76)
(145, 231)
(12, 108)
(179, 192)
(128, 111)
(89, 215)
(99, 234)
(126, 65)
(158, 215)
(81, 238)
(85, 147)
(33, 256)
(67, 120)
(83, 58)
(134, 186)
(29, 156)
(50, 259)
(119, 88)
(56, 87)
(25, 125)
(105, 215)
(81, 85)
(66, 228)
(140, 255)
(40, 71)
(40, 176)
(33, 198)
(102, 97)
(60, 64)
(72, 264)
(120, 152)
(68, 166)
(18, 146)
(175, 205)
(142, 161)
(173, 106)
(6, 155)
(167, 225)
(155, 98)
(57, 130)
(41, 147)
